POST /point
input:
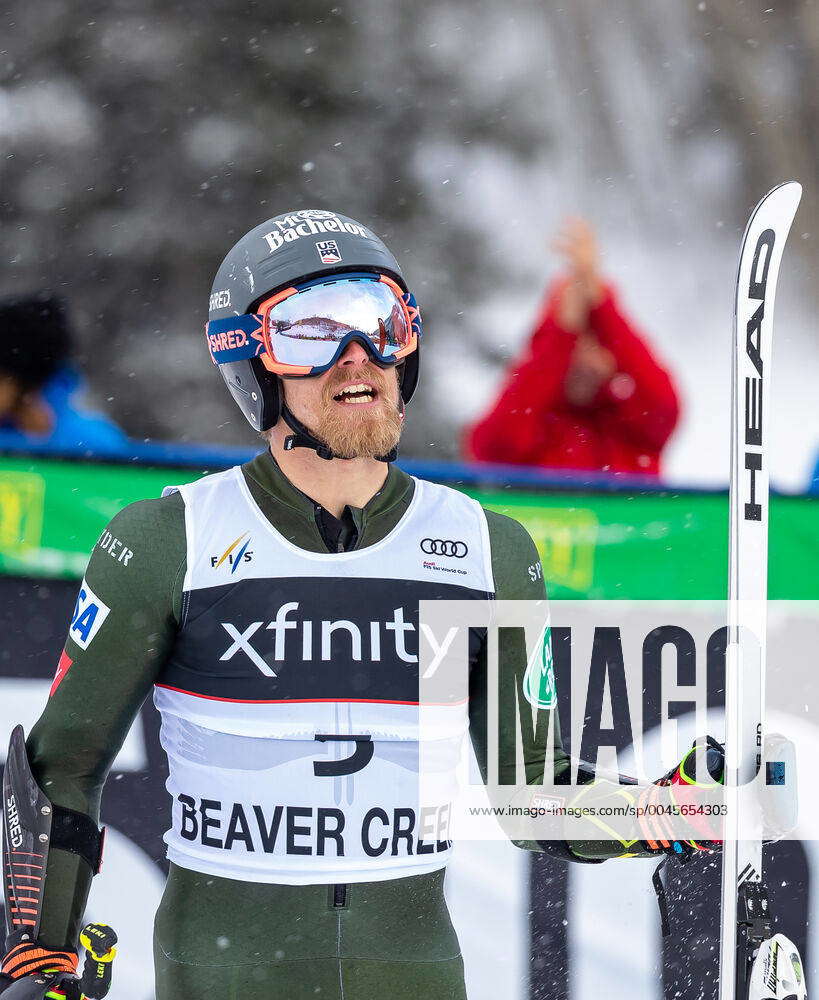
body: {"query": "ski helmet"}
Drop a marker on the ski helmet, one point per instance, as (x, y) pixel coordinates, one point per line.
(285, 251)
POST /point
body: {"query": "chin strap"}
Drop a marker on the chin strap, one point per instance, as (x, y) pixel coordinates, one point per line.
(303, 438)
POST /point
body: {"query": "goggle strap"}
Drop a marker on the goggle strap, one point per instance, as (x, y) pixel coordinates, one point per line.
(414, 313)
(235, 338)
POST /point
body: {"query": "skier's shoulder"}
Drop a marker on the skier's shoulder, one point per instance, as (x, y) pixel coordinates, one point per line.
(516, 564)
(145, 541)
(154, 515)
(506, 531)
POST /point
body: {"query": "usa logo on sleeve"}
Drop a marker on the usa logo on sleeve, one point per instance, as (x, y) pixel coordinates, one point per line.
(89, 614)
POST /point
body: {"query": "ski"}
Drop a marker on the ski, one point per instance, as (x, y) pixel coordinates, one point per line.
(746, 930)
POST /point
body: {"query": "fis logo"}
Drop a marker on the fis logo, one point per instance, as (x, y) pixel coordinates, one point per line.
(328, 252)
(233, 557)
(89, 614)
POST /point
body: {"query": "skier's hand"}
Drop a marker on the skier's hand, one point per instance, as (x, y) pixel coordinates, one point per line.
(29, 957)
(32, 972)
(41, 986)
(686, 786)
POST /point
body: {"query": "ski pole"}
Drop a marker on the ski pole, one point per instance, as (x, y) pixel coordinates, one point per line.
(99, 941)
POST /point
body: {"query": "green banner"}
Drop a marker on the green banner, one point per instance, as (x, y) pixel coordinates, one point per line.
(52, 512)
(597, 545)
(648, 546)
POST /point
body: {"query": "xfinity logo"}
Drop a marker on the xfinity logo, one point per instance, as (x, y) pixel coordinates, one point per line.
(13, 820)
(444, 547)
(753, 385)
(309, 641)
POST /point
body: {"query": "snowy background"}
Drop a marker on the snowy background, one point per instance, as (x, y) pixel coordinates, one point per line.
(141, 138)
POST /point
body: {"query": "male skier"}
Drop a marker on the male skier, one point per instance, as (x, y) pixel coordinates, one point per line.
(273, 610)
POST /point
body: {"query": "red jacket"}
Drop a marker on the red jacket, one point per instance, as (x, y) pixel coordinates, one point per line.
(624, 428)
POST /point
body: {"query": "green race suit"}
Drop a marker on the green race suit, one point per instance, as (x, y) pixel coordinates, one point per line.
(229, 936)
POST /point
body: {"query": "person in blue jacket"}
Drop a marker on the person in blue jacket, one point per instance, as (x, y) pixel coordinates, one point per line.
(40, 390)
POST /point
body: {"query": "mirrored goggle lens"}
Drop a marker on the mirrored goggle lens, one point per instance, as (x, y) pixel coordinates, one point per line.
(306, 328)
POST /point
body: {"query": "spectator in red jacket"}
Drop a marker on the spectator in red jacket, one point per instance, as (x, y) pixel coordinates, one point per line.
(588, 394)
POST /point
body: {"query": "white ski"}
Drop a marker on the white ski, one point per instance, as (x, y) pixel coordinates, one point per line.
(745, 920)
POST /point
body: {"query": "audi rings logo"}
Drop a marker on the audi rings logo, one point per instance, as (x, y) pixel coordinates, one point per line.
(444, 547)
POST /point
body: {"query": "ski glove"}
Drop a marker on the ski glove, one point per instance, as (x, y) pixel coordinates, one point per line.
(33, 972)
(702, 815)
(25, 959)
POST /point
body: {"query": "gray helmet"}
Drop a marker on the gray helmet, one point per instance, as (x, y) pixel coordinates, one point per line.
(287, 250)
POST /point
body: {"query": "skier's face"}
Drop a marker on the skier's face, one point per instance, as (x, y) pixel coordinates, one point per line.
(352, 408)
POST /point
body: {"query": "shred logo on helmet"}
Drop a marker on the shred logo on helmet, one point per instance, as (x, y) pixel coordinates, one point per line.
(255, 312)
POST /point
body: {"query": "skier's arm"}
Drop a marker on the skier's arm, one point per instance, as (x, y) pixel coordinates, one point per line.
(518, 576)
(641, 394)
(513, 430)
(110, 661)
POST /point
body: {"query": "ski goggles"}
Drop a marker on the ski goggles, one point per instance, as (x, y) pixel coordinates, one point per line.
(304, 330)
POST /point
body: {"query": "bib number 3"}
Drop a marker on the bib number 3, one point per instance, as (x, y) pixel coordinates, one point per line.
(359, 759)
